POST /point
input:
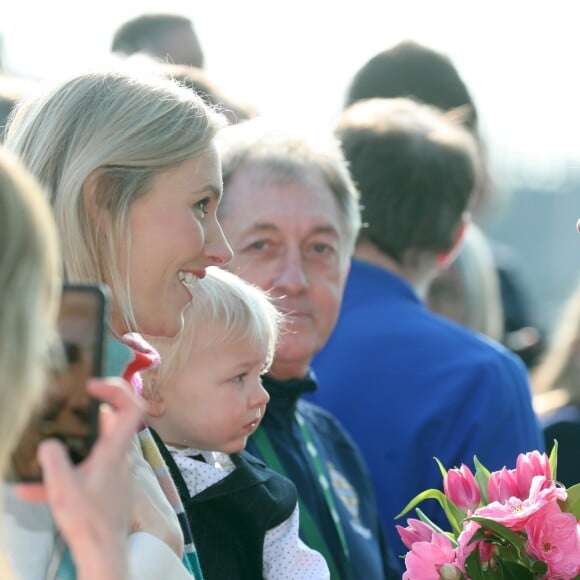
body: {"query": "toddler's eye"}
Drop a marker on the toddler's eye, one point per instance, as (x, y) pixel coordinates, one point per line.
(240, 379)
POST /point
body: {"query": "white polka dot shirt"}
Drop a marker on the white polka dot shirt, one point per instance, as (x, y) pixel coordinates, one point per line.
(286, 557)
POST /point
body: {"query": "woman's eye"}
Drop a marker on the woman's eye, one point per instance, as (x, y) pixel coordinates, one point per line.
(201, 206)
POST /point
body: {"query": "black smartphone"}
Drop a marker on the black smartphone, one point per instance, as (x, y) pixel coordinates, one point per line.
(68, 412)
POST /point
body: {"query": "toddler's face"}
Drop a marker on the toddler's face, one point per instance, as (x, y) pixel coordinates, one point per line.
(217, 402)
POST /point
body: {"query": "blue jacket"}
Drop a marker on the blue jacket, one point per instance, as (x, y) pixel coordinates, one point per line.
(350, 481)
(409, 385)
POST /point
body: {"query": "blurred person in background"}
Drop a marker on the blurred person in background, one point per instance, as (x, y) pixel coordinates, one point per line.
(211, 92)
(409, 69)
(556, 383)
(167, 37)
(12, 89)
(467, 289)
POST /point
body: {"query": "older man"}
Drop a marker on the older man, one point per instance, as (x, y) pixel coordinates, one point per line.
(290, 212)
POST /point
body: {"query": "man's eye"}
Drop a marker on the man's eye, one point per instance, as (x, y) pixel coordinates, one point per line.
(323, 249)
(258, 245)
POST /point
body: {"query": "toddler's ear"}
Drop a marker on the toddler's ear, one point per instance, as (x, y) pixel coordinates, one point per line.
(153, 397)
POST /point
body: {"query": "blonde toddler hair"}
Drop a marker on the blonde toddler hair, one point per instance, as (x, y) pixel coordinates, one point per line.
(224, 309)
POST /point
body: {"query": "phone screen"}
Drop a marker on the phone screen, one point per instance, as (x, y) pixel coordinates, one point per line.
(68, 412)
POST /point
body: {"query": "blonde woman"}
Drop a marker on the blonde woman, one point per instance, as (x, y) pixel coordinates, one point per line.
(94, 524)
(134, 180)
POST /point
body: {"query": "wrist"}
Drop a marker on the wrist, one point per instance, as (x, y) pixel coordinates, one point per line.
(97, 558)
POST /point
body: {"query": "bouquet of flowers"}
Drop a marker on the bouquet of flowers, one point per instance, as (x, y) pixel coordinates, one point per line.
(512, 523)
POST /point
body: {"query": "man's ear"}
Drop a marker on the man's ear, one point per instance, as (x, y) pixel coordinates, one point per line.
(445, 258)
(154, 399)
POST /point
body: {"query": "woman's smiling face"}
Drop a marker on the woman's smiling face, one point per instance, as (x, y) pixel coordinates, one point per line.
(174, 236)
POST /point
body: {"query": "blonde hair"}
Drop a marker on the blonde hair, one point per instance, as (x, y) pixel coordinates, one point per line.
(127, 124)
(224, 309)
(30, 288)
(556, 379)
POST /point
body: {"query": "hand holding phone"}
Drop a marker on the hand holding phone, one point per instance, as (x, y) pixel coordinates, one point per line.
(68, 413)
(91, 503)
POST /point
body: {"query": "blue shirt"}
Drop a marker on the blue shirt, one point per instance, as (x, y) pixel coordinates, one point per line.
(409, 385)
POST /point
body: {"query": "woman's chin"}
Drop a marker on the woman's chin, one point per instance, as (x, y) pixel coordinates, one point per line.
(165, 328)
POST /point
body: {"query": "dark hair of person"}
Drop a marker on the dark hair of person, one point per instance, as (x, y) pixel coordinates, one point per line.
(409, 69)
(416, 170)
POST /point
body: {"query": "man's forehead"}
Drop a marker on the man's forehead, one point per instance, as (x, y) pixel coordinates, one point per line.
(304, 226)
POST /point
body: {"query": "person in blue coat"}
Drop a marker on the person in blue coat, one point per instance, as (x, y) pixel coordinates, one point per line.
(291, 215)
(408, 384)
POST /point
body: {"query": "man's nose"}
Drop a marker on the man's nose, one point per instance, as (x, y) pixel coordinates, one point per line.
(292, 276)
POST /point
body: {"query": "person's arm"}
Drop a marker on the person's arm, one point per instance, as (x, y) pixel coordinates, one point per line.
(151, 559)
(287, 556)
(91, 503)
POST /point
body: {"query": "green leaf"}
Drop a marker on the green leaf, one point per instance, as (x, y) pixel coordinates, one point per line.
(454, 515)
(441, 468)
(518, 542)
(554, 460)
(514, 571)
(473, 566)
(416, 501)
(425, 519)
(481, 477)
(540, 568)
(572, 503)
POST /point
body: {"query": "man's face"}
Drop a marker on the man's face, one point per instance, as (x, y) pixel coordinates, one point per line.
(287, 238)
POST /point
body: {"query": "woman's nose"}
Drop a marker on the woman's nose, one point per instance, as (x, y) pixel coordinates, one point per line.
(218, 249)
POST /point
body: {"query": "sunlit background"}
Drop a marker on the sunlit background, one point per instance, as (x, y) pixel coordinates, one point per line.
(519, 59)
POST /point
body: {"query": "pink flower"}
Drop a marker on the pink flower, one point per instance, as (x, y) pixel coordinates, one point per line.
(462, 489)
(502, 485)
(529, 465)
(543, 490)
(515, 512)
(426, 559)
(486, 550)
(554, 538)
(416, 531)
